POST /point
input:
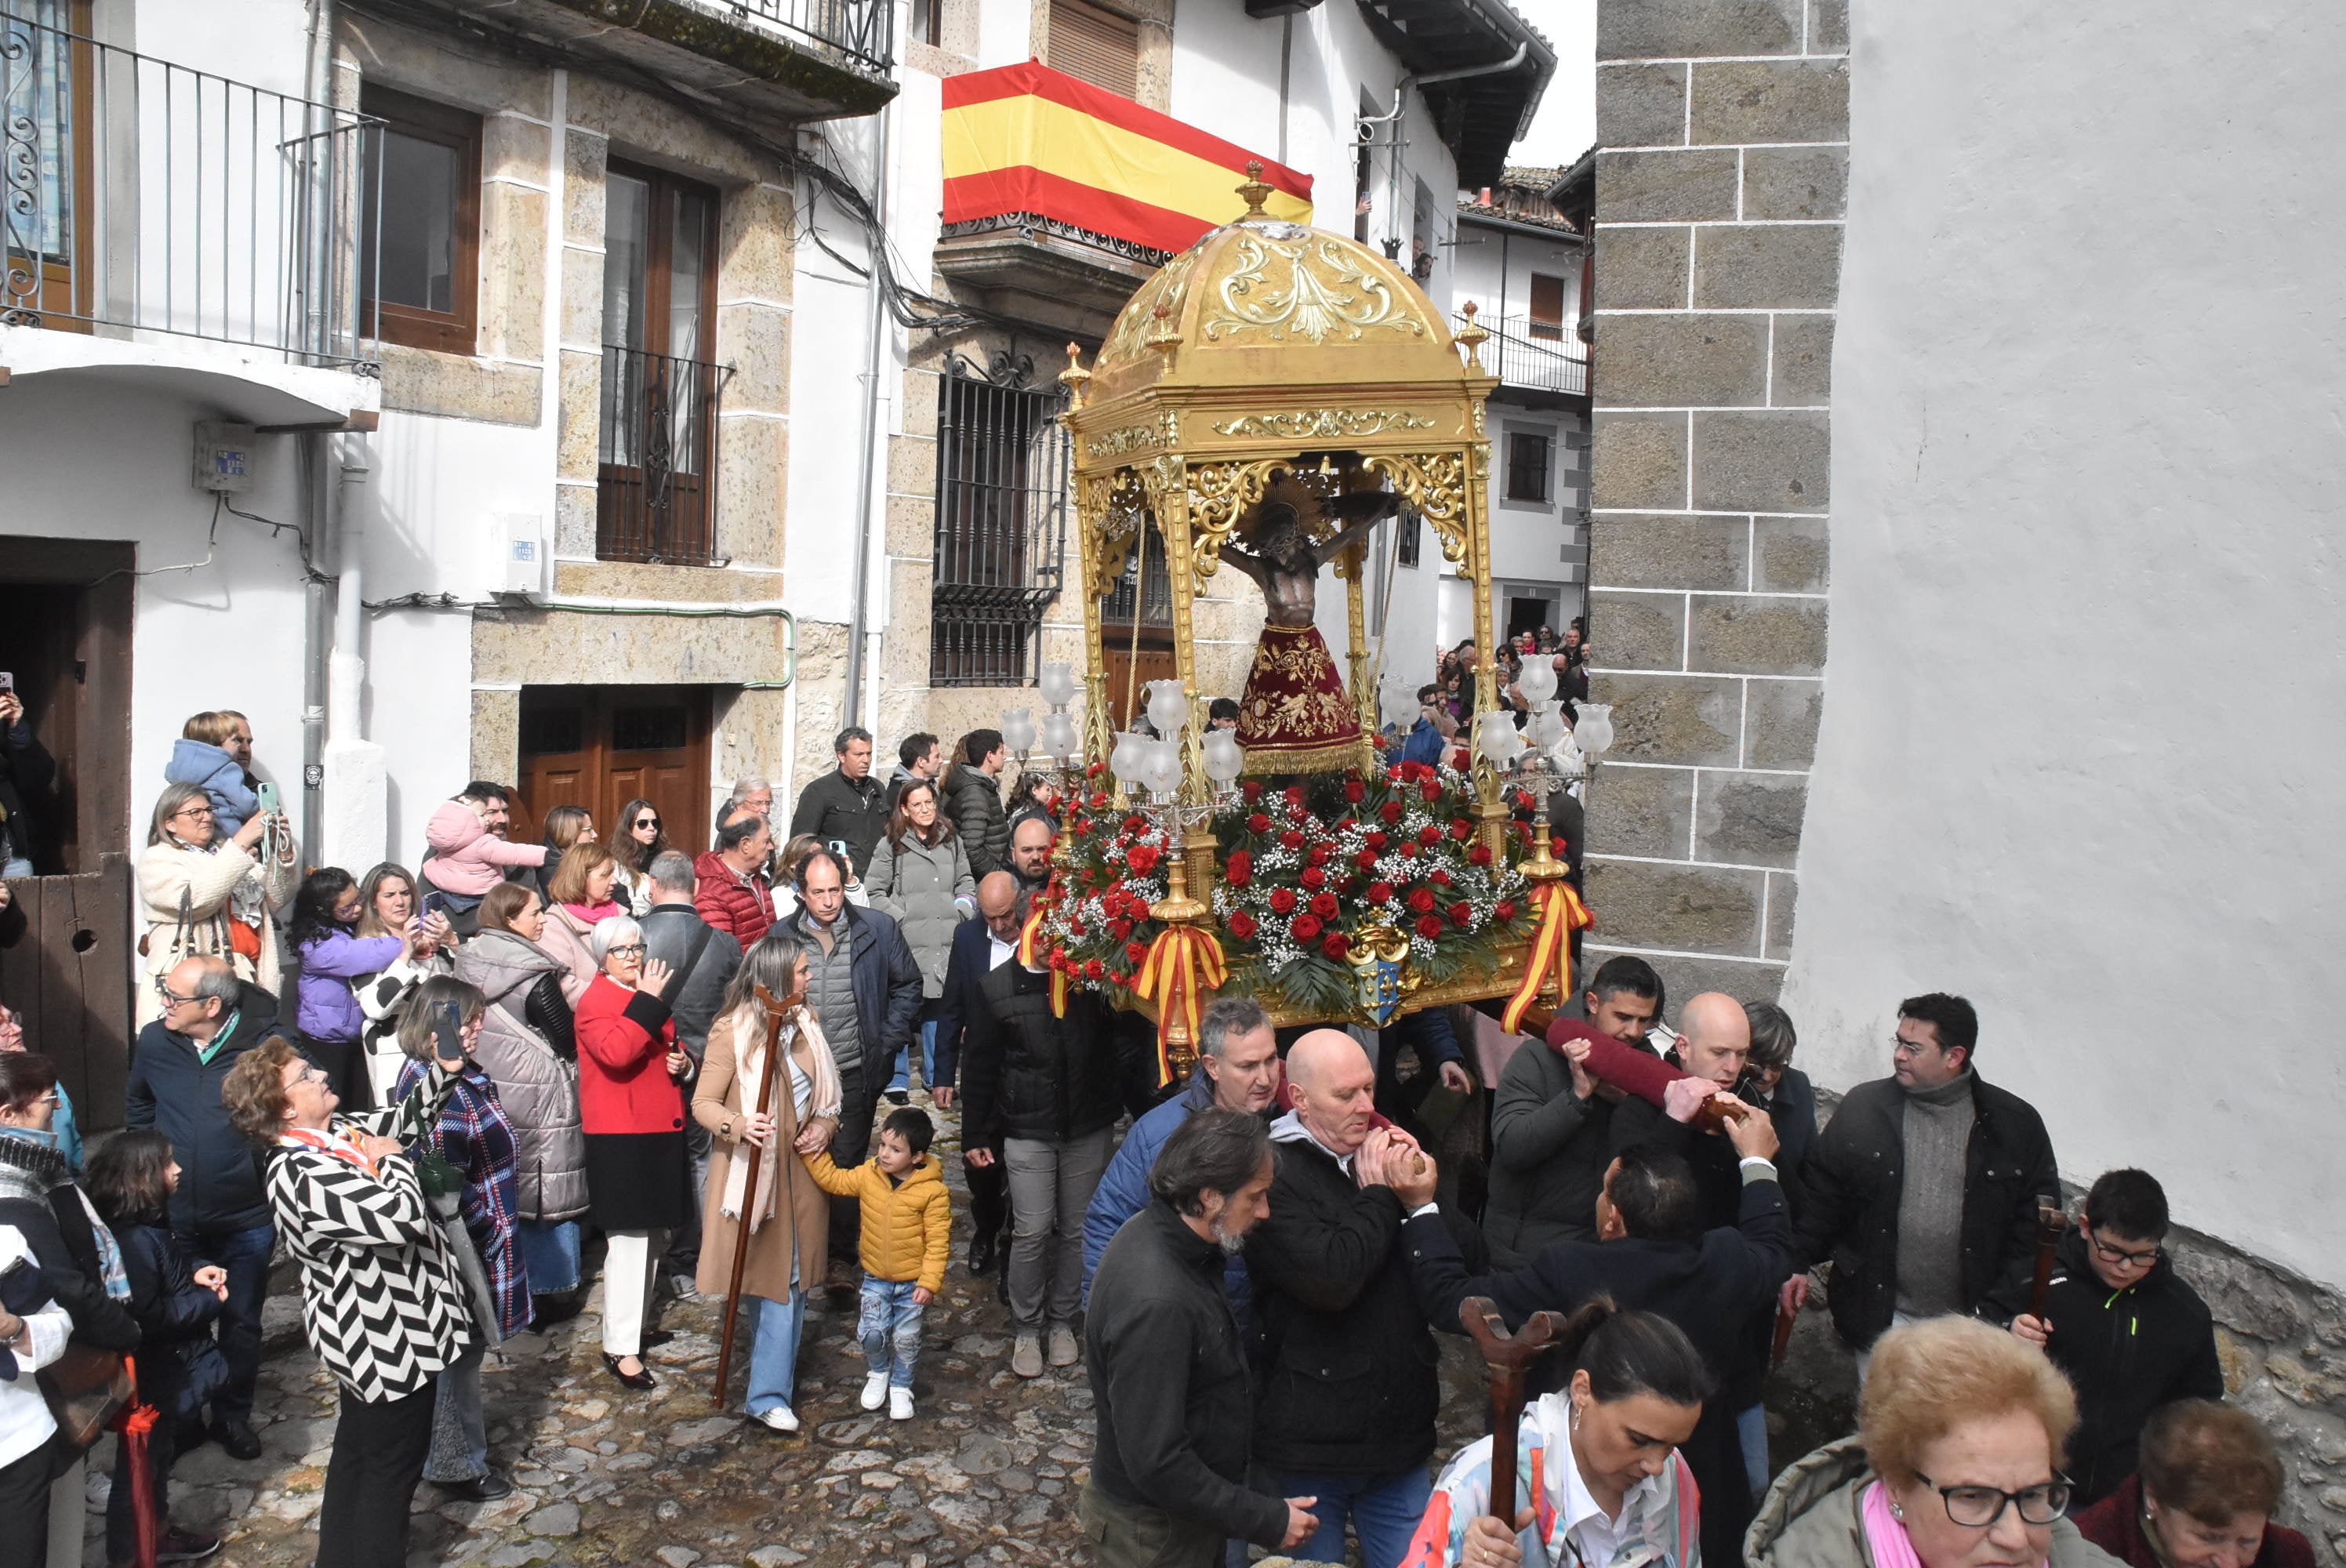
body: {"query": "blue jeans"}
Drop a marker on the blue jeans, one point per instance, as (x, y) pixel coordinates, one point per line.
(550, 1254)
(774, 1352)
(1384, 1509)
(890, 1328)
(902, 1079)
(245, 1255)
(1751, 1431)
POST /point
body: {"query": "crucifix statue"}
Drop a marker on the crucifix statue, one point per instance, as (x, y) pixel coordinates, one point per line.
(1295, 717)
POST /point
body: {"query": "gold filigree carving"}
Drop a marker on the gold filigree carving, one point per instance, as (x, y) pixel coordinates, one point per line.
(1128, 336)
(1304, 424)
(1436, 483)
(1320, 292)
(1220, 494)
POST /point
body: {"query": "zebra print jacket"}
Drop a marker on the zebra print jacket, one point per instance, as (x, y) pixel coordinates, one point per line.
(382, 1301)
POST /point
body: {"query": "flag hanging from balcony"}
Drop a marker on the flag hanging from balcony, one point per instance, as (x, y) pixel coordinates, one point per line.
(1027, 138)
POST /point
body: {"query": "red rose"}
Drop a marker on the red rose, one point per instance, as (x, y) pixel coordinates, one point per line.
(1099, 801)
(1409, 851)
(1291, 839)
(1440, 878)
(1239, 870)
(1252, 790)
(1317, 855)
(1377, 841)
(1393, 773)
(1336, 945)
(1366, 860)
(1353, 790)
(1313, 878)
(1136, 824)
(1295, 794)
(1381, 893)
(1461, 829)
(1283, 901)
(1324, 905)
(1480, 855)
(1390, 811)
(1242, 926)
(1431, 790)
(1461, 913)
(1422, 900)
(1134, 952)
(1428, 928)
(1258, 823)
(1094, 770)
(1429, 835)
(1092, 969)
(1142, 858)
(1506, 910)
(1305, 928)
(1119, 929)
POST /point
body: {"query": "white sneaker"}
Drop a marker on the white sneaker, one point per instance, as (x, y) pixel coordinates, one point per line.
(780, 1418)
(900, 1404)
(876, 1391)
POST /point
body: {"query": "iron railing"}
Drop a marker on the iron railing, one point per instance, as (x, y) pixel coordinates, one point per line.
(1520, 357)
(140, 195)
(862, 30)
(1002, 523)
(655, 480)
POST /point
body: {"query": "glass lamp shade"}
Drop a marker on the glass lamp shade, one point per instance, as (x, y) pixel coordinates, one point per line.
(1499, 739)
(1018, 729)
(1168, 708)
(1224, 760)
(1161, 769)
(1594, 733)
(1537, 680)
(1124, 761)
(1058, 736)
(1058, 683)
(1547, 725)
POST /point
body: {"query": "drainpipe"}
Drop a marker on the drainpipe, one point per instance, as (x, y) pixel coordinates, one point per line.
(316, 605)
(357, 812)
(1401, 101)
(857, 617)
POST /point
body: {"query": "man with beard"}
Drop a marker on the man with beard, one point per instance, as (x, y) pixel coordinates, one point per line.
(1169, 1464)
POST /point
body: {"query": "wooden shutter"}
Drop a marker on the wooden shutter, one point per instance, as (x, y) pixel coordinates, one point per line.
(1095, 44)
(1547, 306)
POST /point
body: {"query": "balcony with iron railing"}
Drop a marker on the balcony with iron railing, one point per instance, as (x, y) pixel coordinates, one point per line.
(655, 478)
(148, 208)
(1535, 356)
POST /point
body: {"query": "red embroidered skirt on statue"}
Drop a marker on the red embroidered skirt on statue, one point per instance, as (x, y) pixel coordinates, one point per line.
(1295, 717)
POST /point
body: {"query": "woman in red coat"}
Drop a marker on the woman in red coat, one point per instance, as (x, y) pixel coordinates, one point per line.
(631, 1110)
(2204, 1497)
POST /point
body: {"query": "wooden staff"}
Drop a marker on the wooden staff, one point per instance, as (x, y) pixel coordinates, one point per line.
(1506, 1355)
(2052, 1220)
(765, 1105)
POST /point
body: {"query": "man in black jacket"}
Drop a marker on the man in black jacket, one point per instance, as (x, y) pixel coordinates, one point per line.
(1656, 1255)
(846, 805)
(2122, 1323)
(1047, 1088)
(1350, 1385)
(1169, 1463)
(980, 947)
(220, 1211)
(1922, 1191)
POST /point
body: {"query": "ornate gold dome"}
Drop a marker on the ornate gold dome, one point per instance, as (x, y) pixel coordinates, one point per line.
(1263, 302)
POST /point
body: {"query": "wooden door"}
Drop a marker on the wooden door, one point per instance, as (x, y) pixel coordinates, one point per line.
(601, 747)
(1155, 662)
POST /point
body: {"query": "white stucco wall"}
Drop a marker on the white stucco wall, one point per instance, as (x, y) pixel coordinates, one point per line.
(2080, 755)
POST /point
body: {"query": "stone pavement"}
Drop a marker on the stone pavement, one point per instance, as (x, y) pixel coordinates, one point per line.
(986, 1472)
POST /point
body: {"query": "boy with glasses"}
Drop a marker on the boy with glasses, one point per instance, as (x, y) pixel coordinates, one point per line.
(2122, 1323)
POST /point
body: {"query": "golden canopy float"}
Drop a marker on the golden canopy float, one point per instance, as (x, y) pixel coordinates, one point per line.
(1261, 404)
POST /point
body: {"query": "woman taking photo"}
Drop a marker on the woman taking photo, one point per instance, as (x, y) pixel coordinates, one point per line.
(1956, 1464)
(639, 1184)
(387, 908)
(790, 1217)
(323, 928)
(639, 840)
(1597, 1468)
(578, 900)
(528, 1050)
(2204, 1497)
(473, 1136)
(382, 1302)
(203, 894)
(920, 876)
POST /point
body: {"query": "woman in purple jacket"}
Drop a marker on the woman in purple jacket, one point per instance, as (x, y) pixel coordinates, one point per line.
(331, 955)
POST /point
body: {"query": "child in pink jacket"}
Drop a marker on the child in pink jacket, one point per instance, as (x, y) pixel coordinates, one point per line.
(467, 859)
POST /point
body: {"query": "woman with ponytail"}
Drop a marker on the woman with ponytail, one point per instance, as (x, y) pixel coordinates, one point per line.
(1596, 1465)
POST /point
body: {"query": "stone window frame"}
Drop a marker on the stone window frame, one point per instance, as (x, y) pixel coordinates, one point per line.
(456, 330)
(1510, 432)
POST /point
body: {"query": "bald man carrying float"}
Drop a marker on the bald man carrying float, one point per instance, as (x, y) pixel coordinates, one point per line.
(1348, 1391)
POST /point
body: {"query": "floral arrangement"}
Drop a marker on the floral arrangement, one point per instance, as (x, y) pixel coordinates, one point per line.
(1305, 865)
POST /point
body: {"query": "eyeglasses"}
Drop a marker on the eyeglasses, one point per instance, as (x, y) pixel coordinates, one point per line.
(1978, 1507)
(625, 948)
(308, 1075)
(1907, 1047)
(2118, 1256)
(190, 811)
(647, 821)
(163, 990)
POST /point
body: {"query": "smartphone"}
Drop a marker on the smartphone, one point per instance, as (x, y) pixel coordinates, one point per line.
(268, 793)
(837, 846)
(448, 1036)
(8, 680)
(434, 904)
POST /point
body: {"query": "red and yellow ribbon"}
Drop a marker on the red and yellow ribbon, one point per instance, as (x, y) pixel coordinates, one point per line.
(1183, 967)
(1561, 914)
(1031, 954)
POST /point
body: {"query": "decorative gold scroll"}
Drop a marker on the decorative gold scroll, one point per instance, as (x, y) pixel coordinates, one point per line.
(1322, 423)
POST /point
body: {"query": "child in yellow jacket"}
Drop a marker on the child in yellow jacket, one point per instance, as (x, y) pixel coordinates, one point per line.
(907, 1237)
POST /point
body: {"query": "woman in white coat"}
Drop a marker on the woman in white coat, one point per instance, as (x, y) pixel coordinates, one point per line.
(207, 896)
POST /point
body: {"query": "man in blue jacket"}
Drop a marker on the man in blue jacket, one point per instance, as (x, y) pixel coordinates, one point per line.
(218, 1213)
(1238, 1070)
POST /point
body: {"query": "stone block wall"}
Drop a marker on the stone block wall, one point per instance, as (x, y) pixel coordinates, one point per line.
(1724, 133)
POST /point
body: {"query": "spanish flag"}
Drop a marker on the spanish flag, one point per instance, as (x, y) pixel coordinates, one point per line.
(1027, 138)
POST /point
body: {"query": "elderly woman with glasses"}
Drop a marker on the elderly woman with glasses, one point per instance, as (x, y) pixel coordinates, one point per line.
(205, 894)
(631, 1109)
(1956, 1464)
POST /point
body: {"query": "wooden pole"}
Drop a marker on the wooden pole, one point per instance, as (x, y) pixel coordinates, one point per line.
(765, 1098)
(1506, 1355)
(2052, 1220)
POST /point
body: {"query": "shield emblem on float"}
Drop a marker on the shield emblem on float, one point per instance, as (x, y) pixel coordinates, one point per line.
(1380, 974)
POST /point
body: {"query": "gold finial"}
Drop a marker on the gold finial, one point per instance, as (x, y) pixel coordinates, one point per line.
(1471, 338)
(1256, 190)
(1074, 377)
(1162, 335)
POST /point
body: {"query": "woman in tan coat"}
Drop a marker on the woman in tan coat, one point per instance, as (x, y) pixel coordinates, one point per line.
(789, 1216)
(204, 895)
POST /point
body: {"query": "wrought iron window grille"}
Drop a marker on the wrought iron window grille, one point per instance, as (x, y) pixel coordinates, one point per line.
(1003, 462)
(656, 491)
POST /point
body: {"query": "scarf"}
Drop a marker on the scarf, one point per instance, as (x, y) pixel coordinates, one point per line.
(1885, 1537)
(33, 1169)
(335, 1144)
(750, 1066)
(590, 915)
